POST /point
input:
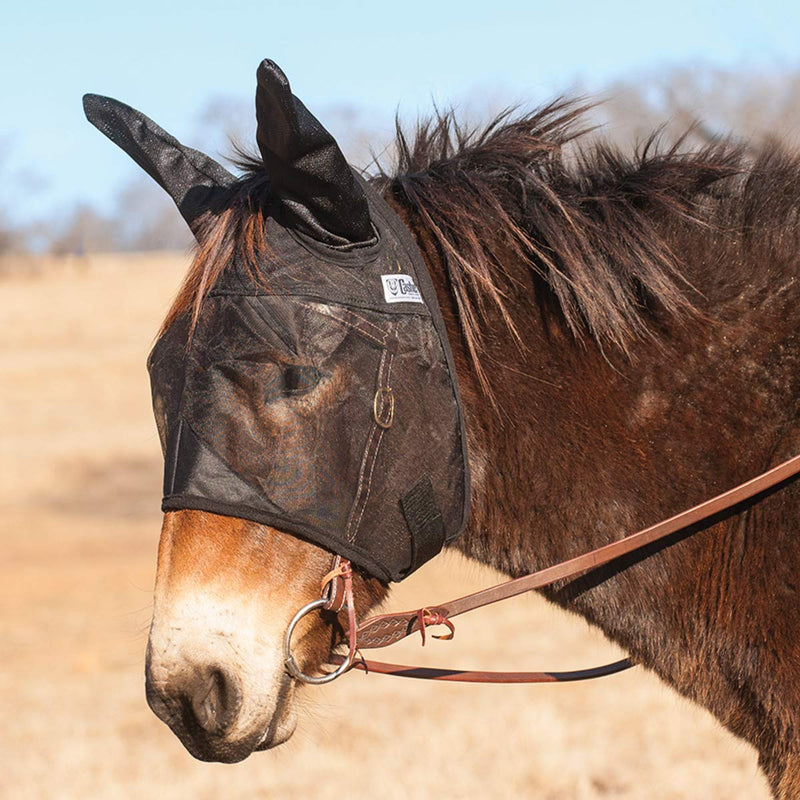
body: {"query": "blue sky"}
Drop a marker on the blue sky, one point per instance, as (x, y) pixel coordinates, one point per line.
(169, 57)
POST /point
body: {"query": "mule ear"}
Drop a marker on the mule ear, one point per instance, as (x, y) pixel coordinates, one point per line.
(311, 181)
(189, 177)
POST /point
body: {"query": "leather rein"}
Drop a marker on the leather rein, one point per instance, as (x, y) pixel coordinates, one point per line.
(386, 629)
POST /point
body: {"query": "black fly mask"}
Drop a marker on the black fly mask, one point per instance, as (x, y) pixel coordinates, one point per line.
(318, 396)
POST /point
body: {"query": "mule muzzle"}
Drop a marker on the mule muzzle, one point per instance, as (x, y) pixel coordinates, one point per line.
(204, 704)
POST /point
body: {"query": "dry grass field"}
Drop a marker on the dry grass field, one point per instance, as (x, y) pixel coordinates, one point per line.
(80, 477)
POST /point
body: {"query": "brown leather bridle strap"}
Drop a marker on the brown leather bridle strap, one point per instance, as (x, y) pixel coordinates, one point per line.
(474, 676)
(334, 585)
(386, 629)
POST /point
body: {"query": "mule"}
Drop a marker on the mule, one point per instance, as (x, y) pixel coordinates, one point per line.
(624, 328)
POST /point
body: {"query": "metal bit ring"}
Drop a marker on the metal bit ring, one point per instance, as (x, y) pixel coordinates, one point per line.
(288, 658)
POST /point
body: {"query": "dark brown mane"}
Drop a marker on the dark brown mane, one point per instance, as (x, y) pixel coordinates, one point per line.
(585, 218)
(594, 225)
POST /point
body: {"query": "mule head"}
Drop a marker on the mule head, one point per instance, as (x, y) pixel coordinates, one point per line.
(305, 399)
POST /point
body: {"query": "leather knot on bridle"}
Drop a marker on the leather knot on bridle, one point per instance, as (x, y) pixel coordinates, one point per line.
(426, 618)
(336, 584)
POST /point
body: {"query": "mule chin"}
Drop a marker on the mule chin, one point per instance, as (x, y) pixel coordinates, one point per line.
(282, 732)
(220, 750)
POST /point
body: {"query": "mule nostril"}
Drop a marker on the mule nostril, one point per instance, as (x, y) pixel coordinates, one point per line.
(215, 699)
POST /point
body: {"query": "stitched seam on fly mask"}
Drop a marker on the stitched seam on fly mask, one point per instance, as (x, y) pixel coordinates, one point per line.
(174, 470)
(378, 331)
(375, 457)
(363, 326)
(370, 456)
(350, 532)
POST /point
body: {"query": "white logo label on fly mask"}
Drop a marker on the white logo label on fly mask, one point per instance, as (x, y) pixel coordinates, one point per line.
(400, 289)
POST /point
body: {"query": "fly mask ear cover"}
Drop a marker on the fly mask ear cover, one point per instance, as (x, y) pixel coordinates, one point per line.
(318, 396)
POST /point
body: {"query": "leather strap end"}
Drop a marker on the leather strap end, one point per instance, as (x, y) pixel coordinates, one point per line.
(335, 582)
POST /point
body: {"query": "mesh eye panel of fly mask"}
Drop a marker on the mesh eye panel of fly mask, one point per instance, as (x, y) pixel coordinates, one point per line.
(319, 395)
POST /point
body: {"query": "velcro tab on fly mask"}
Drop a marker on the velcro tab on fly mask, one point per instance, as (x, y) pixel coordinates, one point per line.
(316, 394)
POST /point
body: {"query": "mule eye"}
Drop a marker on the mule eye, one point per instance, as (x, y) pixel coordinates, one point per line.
(299, 379)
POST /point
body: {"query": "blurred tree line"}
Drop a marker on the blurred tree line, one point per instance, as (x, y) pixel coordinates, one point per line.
(746, 105)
